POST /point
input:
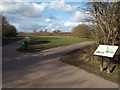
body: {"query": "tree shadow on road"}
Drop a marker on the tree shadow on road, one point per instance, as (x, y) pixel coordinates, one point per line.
(38, 42)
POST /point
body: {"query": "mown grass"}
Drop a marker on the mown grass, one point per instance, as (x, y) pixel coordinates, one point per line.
(9, 40)
(39, 43)
(76, 58)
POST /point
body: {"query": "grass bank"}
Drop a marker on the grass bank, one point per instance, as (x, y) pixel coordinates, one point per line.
(39, 43)
(78, 58)
(9, 40)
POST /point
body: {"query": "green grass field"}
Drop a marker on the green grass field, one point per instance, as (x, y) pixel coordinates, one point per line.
(39, 43)
(11, 40)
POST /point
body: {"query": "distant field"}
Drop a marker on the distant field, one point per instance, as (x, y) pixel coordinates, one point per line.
(11, 40)
(39, 43)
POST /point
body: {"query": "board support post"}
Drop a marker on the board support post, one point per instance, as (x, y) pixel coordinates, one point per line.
(101, 63)
(108, 66)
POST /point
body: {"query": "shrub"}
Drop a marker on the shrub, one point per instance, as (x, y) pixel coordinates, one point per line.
(7, 29)
(89, 56)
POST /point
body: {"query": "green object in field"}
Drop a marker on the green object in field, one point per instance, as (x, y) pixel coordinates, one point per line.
(24, 44)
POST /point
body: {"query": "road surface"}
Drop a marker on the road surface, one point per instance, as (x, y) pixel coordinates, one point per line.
(44, 70)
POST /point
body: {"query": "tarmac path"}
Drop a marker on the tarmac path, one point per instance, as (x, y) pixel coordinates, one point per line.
(44, 70)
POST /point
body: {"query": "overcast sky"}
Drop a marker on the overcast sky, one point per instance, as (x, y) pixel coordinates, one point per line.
(54, 15)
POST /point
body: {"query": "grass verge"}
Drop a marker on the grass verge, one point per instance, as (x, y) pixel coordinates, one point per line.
(76, 58)
(9, 40)
(39, 43)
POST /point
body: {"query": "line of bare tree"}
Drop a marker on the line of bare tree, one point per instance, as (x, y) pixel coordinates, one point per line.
(46, 33)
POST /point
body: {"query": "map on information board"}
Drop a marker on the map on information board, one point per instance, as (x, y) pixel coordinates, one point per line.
(106, 50)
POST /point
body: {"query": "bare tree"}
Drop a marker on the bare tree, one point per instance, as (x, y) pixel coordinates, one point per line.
(104, 17)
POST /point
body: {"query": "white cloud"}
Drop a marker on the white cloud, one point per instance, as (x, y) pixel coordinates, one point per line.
(23, 14)
(78, 16)
(71, 24)
(28, 27)
(48, 20)
(53, 17)
(12, 0)
(24, 9)
(39, 7)
(49, 26)
(74, 24)
(34, 9)
(61, 27)
(53, 27)
(60, 5)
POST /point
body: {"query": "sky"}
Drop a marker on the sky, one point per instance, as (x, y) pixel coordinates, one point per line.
(54, 15)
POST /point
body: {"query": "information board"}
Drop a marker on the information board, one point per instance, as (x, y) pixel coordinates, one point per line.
(106, 50)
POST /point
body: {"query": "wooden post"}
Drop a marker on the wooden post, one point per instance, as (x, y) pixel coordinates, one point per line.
(101, 63)
(108, 65)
